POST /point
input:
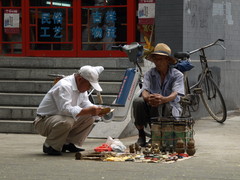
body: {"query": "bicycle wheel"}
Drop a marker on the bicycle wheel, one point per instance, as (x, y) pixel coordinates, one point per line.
(213, 100)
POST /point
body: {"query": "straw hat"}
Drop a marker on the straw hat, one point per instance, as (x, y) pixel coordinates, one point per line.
(162, 50)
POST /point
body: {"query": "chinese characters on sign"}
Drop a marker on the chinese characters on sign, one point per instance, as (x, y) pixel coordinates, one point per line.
(110, 29)
(11, 21)
(48, 20)
(146, 11)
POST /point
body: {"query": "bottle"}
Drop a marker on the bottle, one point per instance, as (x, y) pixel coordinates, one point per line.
(191, 147)
(180, 146)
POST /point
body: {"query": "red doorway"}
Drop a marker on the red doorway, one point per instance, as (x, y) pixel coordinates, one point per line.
(69, 28)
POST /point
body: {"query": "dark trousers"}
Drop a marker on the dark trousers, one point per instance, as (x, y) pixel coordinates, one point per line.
(143, 113)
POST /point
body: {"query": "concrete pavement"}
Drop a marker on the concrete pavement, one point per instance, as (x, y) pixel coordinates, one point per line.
(217, 157)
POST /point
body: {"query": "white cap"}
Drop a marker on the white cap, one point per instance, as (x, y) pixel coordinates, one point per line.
(91, 73)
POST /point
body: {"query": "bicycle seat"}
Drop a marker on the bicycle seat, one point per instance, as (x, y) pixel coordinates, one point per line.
(181, 55)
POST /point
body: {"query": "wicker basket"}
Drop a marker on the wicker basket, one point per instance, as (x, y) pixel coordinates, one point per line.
(166, 131)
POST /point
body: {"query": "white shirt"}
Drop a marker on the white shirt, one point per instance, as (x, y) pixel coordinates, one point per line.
(64, 99)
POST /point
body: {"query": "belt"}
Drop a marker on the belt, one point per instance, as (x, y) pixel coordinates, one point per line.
(42, 116)
(36, 120)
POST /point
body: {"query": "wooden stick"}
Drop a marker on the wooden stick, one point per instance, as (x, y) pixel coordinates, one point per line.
(89, 156)
(92, 158)
(99, 97)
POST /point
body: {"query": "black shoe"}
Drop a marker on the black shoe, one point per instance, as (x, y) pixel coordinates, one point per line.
(50, 151)
(71, 148)
(141, 141)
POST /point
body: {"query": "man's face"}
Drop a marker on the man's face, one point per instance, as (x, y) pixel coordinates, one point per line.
(161, 61)
(82, 84)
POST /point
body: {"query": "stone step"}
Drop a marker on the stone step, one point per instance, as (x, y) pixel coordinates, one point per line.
(63, 63)
(42, 74)
(26, 86)
(20, 86)
(17, 126)
(17, 112)
(29, 100)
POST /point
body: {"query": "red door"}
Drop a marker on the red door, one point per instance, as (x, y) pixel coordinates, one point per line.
(11, 34)
(69, 28)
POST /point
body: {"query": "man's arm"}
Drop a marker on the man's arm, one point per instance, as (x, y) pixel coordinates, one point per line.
(145, 95)
(92, 110)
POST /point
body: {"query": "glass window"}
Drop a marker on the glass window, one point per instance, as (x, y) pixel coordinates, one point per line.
(6, 3)
(70, 15)
(88, 2)
(103, 27)
(16, 3)
(50, 29)
(12, 31)
(38, 3)
(54, 25)
(116, 2)
(61, 3)
(56, 3)
(103, 2)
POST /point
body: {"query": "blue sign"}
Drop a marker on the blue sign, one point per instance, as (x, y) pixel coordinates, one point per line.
(97, 32)
(110, 19)
(48, 19)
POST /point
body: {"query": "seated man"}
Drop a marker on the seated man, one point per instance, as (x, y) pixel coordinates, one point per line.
(65, 116)
(162, 86)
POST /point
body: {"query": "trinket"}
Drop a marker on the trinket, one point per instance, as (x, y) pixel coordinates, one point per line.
(191, 147)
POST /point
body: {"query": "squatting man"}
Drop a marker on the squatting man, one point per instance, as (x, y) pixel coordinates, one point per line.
(65, 116)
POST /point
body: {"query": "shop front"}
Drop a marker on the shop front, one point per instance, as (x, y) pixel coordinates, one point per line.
(66, 28)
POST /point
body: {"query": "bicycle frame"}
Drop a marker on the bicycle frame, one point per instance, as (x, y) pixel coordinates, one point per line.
(205, 87)
(205, 70)
(204, 64)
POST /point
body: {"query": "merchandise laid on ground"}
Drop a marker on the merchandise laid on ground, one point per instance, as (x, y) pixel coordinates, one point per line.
(135, 153)
(171, 140)
(114, 150)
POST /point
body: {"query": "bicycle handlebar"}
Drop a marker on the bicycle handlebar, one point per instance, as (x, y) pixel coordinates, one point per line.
(207, 46)
(133, 50)
(186, 55)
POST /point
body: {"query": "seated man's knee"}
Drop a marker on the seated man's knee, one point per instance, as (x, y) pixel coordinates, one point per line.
(138, 102)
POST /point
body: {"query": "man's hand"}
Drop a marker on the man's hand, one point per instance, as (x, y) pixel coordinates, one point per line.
(92, 110)
(105, 110)
(155, 100)
(95, 110)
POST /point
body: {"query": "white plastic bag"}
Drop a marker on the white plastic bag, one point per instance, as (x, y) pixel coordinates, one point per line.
(115, 144)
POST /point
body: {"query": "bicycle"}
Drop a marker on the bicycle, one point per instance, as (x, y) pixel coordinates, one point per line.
(205, 87)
